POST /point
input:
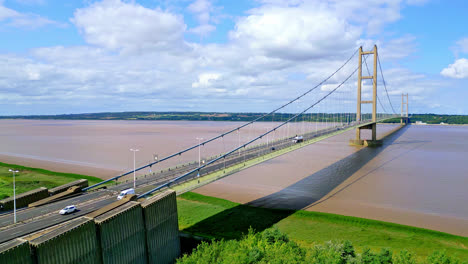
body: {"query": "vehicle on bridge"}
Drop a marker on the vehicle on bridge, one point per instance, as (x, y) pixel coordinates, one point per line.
(125, 192)
(67, 210)
(298, 139)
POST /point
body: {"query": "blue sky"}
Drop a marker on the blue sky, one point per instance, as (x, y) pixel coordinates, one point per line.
(60, 57)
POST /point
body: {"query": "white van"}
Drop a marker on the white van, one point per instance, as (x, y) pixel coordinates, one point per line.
(298, 139)
(125, 192)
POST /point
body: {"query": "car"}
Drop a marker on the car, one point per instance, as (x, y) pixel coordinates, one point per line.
(67, 210)
(125, 192)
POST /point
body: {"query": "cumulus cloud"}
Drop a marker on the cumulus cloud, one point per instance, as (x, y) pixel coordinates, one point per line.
(274, 52)
(118, 25)
(295, 33)
(458, 70)
(206, 80)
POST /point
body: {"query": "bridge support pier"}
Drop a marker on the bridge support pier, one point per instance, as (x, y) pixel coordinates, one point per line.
(366, 142)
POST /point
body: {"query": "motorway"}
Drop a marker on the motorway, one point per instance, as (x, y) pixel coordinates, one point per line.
(34, 219)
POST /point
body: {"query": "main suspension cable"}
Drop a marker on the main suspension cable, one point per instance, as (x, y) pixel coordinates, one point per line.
(226, 133)
(248, 143)
(385, 85)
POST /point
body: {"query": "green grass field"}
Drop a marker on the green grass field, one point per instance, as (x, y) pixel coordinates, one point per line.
(32, 178)
(217, 218)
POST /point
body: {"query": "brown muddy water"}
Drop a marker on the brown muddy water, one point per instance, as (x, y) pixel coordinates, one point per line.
(418, 177)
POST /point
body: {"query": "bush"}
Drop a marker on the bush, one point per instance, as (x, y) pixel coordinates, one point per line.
(268, 247)
(404, 257)
(440, 258)
(272, 246)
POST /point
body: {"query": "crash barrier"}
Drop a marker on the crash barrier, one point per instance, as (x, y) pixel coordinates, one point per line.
(24, 199)
(37, 195)
(57, 197)
(82, 183)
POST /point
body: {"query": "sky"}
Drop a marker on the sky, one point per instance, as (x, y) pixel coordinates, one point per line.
(62, 57)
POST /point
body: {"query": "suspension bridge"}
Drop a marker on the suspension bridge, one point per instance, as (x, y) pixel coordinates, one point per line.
(330, 105)
(347, 99)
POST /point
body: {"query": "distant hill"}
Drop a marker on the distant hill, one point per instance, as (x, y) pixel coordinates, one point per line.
(215, 116)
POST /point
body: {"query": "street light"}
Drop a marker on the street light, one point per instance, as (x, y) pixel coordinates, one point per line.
(199, 155)
(155, 158)
(14, 193)
(134, 176)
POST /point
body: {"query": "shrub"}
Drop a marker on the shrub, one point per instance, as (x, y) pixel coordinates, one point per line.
(272, 246)
(440, 258)
(404, 257)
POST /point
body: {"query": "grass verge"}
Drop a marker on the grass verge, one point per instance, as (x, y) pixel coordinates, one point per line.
(217, 218)
(32, 178)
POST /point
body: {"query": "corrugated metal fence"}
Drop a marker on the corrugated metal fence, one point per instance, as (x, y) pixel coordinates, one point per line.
(135, 232)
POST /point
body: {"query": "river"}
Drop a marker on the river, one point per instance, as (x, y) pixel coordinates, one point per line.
(418, 177)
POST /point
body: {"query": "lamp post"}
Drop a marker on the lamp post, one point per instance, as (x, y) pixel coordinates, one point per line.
(155, 158)
(199, 154)
(134, 175)
(14, 193)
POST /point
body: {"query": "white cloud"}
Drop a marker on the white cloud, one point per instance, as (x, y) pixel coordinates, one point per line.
(397, 48)
(458, 70)
(206, 80)
(369, 14)
(462, 45)
(12, 18)
(273, 53)
(295, 33)
(130, 27)
(6, 13)
(202, 9)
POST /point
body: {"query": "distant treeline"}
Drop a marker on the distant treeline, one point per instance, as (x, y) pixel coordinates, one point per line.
(434, 119)
(197, 116)
(214, 116)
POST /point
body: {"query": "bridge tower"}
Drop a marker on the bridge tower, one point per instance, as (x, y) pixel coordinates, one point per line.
(373, 125)
(404, 106)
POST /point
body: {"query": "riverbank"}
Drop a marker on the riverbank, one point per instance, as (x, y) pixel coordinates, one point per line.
(218, 218)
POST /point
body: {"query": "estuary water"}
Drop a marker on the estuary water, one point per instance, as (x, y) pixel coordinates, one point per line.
(419, 177)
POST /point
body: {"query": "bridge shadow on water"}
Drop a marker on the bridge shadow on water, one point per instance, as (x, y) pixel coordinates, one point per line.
(314, 187)
(264, 212)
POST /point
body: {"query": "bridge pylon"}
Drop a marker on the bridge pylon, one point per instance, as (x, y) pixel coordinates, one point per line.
(404, 106)
(373, 125)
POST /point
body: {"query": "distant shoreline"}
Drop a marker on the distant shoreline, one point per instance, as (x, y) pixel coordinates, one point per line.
(431, 119)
